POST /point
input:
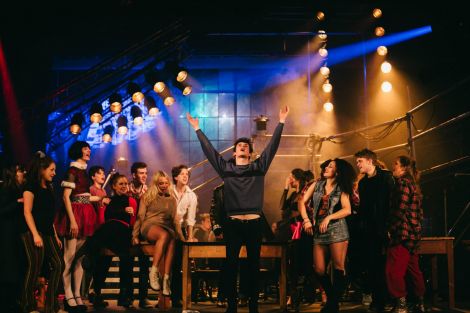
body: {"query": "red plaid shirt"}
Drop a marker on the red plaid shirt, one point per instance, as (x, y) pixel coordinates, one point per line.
(406, 215)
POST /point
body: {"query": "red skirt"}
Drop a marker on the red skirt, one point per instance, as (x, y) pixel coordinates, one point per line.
(85, 216)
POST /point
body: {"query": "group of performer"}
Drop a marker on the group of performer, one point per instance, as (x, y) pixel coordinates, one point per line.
(386, 208)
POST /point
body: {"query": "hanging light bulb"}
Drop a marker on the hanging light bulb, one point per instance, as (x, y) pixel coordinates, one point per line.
(379, 31)
(386, 67)
(96, 113)
(115, 103)
(135, 92)
(386, 86)
(320, 16)
(151, 106)
(322, 34)
(136, 114)
(377, 13)
(328, 106)
(382, 50)
(122, 125)
(323, 52)
(108, 133)
(325, 71)
(76, 123)
(327, 87)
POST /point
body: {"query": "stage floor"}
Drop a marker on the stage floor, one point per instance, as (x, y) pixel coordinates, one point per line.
(209, 307)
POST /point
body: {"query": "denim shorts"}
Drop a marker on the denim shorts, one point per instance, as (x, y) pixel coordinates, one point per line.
(337, 231)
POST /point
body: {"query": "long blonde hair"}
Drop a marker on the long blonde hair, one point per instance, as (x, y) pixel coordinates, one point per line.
(153, 191)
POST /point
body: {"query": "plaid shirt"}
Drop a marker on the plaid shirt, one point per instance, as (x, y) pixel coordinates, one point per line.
(406, 215)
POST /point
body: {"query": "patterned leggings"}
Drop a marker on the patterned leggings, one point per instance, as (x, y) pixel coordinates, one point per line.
(35, 257)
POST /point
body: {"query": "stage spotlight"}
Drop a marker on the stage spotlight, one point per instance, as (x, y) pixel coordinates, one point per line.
(382, 50)
(323, 52)
(108, 133)
(385, 67)
(76, 123)
(163, 91)
(135, 92)
(136, 114)
(322, 34)
(327, 87)
(328, 106)
(377, 13)
(320, 16)
(151, 106)
(261, 124)
(115, 103)
(122, 125)
(96, 112)
(386, 86)
(324, 70)
(182, 81)
(379, 31)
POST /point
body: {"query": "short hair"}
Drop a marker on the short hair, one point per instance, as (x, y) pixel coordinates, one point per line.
(95, 169)
(366, 153)
(75, 150)
(204, 216)
(136, 165)
(175, 171)
(116, 177)
(245, 140)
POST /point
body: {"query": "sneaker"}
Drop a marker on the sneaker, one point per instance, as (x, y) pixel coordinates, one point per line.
(166, 285)
(154, 279)
(366, 299)
(400, 306)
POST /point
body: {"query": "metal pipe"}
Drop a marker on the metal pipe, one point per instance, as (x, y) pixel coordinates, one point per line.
(378, 150)
(206, 160)
(446, 123)
(205, 183)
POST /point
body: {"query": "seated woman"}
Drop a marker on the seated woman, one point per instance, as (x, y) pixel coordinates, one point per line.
(158, 222)
(115, 235)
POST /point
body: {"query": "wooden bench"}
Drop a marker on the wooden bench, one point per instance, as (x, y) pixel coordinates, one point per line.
(203, 250)
(435, 246)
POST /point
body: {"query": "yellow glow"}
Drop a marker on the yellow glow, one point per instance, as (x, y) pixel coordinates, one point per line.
(322, 35)
(122, 130)
(327, 87)
(154, 111)
(386, 86)
(187, 90)
(182, 75)
(169, 101)
(377, 13)
(320, 16)
(379, 31)
(96, 118)
(323, 52)
(324, 70)
(382, 50)
(137, 97)
(159, 87)
(75, 129)
(138, 120)
(386, 67)
(107, 138)
(328, 106)
(115, 107)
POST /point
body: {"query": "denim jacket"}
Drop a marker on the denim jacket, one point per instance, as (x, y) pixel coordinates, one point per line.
(318, 193)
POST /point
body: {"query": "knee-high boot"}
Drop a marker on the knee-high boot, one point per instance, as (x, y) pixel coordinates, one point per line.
(328, 287)
(339, 286)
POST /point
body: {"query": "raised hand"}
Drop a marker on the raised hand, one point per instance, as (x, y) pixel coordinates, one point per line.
(194, 122)
(283, 112)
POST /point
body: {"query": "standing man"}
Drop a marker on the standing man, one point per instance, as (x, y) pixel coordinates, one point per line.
(375, 190)
(243, 203)
(137, 188)
(186, 208)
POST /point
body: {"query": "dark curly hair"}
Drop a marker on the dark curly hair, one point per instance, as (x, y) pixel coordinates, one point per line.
(75, 150)
(175, 171)
(345, 175)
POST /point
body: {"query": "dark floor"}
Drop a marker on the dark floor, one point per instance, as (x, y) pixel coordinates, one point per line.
(268, 307)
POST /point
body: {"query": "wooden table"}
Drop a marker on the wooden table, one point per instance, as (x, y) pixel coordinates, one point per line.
(435, 246)
(195, 250)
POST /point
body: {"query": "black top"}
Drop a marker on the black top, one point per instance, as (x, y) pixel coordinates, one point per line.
(374, 205)
(243, 184)
(116, 209)
(44, 209)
